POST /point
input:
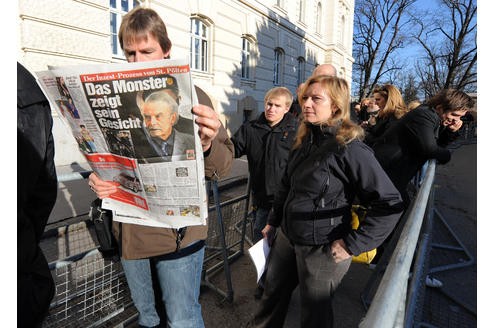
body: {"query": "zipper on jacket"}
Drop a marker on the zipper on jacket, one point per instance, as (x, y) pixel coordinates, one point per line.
(321, 197)
(180, 235)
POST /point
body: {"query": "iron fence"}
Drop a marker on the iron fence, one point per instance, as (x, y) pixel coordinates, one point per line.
(92, 291)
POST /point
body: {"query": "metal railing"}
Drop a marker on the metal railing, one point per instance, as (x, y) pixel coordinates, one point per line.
(388, 306)
(398, 299)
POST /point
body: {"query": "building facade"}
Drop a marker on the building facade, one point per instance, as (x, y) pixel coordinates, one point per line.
(238, 48)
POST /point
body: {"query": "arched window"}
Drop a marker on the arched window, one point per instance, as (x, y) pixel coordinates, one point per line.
(278, 64)
(318, 18)
(200, 35)
(281, 4)
(342, 29)
(302, 10)
(246, 58)
(301, 67)
(118, 8)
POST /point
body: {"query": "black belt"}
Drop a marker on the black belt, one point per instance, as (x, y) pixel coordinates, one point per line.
(193, 248)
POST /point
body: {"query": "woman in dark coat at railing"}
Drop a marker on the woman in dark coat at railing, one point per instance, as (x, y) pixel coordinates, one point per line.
(391, 108)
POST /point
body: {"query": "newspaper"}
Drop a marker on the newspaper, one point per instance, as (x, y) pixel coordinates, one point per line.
(116, 114)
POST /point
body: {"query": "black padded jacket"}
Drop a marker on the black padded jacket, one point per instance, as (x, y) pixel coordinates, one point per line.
(323, 179)
(36, 196)
(267, 150)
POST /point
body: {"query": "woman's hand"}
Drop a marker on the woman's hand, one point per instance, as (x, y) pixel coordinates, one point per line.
(455, 126)
(339, 251)
(268, 232)
(102, 188)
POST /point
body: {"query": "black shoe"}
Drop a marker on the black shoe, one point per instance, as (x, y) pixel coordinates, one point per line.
(259, 292)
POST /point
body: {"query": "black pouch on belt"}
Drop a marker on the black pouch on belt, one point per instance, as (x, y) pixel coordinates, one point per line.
(102, 221)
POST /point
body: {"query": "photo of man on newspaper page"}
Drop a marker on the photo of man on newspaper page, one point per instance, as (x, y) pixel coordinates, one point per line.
(143, 136)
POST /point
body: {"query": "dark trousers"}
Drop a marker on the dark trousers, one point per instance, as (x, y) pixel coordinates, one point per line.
(313, 268)
(35, 291)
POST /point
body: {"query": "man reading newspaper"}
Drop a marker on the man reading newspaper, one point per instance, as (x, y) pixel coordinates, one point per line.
(175, 249)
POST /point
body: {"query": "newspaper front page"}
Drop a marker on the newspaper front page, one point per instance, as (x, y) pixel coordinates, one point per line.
(133, 122)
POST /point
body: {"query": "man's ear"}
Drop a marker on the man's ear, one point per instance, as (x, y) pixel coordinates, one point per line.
(174, 118)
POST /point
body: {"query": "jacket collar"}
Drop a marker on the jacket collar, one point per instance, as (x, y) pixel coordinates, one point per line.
(287, 121)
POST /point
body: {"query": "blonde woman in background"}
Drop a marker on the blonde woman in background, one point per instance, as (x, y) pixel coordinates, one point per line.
(392, 107)
(413, 104)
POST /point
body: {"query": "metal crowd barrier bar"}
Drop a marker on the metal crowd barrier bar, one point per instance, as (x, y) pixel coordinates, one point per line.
(387, 308)
(225, 242)
(92, 292)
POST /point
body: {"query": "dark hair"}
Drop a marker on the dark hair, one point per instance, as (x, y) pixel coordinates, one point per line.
(451, 100)
(140, 21)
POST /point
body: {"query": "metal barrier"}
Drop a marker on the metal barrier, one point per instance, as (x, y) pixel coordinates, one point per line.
(225, 242)
(395, 293)
(92, 292)
(89, 290)
(388, 306)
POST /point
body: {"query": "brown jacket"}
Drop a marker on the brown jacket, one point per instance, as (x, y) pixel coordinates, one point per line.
(139, 241)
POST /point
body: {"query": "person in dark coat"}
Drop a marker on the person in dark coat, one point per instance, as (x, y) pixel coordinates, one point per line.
(36, 196)
(420, 135)
(267, 141)
(329, 166)
(391, 108)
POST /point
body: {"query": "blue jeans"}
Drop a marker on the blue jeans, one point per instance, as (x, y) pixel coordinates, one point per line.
(180, 282)
(260, 223)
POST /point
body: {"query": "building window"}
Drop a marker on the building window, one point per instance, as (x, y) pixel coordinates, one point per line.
(302, 10)
(281, 4)
(118, 8)
(278, 66)
(342, 30)
(301, 67)
(199, 45)
(246, 115)
(246, 58)
(318, 18)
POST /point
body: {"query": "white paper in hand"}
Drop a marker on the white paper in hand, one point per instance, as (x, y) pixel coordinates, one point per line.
(259, 253)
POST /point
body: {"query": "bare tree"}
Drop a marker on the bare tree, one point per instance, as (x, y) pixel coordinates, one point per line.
(379, 31)
(405, 81)
(450, 48)
(409, 90)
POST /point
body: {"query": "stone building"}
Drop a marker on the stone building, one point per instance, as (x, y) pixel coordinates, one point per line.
(241, 48)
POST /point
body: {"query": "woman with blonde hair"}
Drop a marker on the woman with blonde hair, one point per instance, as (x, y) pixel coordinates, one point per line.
(413, 104)
(328, 168)
(392, 108)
